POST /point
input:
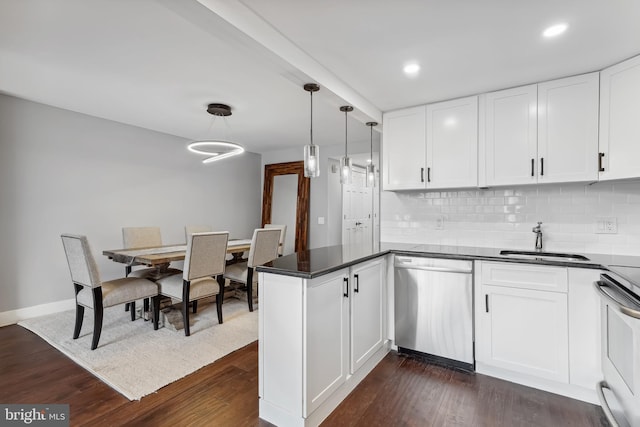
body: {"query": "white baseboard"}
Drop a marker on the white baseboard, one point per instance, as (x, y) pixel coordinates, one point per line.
(14, 316)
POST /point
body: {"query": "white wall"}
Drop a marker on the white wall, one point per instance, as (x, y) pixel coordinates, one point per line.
(62, 171)
(503, 218)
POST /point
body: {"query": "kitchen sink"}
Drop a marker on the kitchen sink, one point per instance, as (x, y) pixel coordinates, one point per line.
(551, 256)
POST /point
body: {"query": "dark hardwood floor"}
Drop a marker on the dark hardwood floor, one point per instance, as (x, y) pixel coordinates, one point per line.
(399, 392)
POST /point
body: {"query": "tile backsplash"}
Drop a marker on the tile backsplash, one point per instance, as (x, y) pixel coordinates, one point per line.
(504, 217)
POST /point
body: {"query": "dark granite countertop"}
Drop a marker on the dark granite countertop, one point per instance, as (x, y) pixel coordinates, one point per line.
(317, 262)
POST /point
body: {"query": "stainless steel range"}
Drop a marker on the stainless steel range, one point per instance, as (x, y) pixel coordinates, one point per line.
(619, 393)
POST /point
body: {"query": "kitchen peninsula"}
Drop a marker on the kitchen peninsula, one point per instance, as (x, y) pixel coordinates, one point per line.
(326, 321)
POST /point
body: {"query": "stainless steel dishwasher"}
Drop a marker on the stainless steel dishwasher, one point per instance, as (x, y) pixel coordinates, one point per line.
(433, 309)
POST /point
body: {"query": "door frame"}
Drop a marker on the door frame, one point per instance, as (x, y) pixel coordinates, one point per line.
(302, 200)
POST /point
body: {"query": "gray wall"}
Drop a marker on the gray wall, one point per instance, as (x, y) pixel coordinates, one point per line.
(62, 171)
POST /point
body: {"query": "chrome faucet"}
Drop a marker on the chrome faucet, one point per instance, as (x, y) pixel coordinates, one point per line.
(538, 230)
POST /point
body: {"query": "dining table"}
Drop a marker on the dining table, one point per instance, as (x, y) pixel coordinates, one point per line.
(159, 257)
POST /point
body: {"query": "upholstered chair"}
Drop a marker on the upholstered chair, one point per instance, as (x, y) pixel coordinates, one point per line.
(202, 277)
(137, 238)
(91, 292)
(190, 229)
(283, 233)
(264, 248)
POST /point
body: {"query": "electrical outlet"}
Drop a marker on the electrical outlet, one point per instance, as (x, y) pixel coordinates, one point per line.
(320, 220)
(606, 225)
(440, 223)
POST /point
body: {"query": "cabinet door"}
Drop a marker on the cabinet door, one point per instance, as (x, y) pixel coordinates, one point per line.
(619, 124)
(585, 366)
(524, 331)
(568, 129)
(366, 312)
(404, 149)
(511, 136)
(452, 143)
(326, 337)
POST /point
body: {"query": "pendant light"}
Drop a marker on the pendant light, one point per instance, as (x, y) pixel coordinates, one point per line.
(371, 168)
(213, 148)
(311, 151)
(345, 162)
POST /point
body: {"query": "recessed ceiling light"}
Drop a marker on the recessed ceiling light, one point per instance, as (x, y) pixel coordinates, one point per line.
(555, 30)
(411, 69)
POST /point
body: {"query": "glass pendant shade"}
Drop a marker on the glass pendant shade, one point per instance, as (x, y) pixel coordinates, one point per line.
(371, 175)
(311, 161)
(345, 170)
(311, 151)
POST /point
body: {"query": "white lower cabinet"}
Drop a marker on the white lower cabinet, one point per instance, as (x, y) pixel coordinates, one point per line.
(367, 312)
(318, 339)
(538, 326)
(526, 331)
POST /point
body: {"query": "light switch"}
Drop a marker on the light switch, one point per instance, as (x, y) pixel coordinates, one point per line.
(321, 220)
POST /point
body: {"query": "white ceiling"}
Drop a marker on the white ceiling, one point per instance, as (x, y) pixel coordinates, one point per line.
(158, 63)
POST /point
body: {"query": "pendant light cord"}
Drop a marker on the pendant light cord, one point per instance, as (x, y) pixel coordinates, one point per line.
(311, 120)
(346, 140)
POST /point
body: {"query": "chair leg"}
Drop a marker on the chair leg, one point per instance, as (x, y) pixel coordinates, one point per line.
(221, 283)
(126, 307)
(185, 307)
(132, 308)
(194, 307)
(97, 316)
(219, 308)
(156, 311)
(79, 319)
(79, 313)
(250, 288)
(145, 308)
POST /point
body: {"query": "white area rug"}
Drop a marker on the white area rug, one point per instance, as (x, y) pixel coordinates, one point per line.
(136, 360)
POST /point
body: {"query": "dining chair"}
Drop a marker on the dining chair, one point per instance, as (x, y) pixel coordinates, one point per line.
(91, 292)
(202, 277)
(264, 248)
(137, 238)
(283, 232)
(190, 229)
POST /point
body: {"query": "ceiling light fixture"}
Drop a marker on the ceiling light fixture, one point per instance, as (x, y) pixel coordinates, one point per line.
(345, 162)
(411, 69)
(216, 149)
(371, 168)
(311, 151)
(555, 30)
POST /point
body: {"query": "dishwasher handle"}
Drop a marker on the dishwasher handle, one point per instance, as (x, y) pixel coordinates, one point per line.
(438, 269)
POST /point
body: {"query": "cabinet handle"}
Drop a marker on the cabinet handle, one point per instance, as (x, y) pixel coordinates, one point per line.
(428, 174)
(356, 286)
(541, 166)
(486, 303)
(600, 156)
(533, 165)
(421, 174)
(346, 293)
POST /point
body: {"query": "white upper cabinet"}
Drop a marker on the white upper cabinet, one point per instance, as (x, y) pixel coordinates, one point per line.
(542, 133)
(404, 149)
(511, 136)
(620, 121)
(452, 143)
(568, 129)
